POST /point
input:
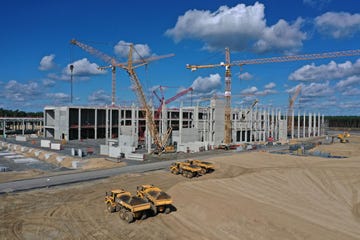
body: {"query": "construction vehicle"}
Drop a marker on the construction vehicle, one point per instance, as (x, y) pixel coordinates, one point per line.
(186, 169)
(342, 137)
(129, 207)
(227, 64)
(159, 200)
(206, 167)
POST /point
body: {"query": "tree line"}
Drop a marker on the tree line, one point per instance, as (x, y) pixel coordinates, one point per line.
(343, 121)
(18, 113)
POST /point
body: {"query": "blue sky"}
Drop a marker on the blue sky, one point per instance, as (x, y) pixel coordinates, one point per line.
(36, 51)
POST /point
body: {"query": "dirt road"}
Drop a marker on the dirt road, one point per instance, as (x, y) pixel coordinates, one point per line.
(249, 196)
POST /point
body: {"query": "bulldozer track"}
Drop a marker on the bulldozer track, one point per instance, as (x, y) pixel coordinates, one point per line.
(16, 229)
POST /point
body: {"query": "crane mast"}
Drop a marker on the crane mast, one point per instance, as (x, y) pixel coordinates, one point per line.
(141, 96)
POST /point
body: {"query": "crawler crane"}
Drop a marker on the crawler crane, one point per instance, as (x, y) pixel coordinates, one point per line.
(129, 67)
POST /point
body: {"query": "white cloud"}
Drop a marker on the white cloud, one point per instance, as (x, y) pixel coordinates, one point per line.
(100, 97)
(240, 27)
(58, 98)
(254, 91)
(266, 92)
(314, 90)
(141, 50)
(328, 71)
(48, 83)
(47, 63)
(207, 84)
(249, 91)
(316, 3)
(83, 67)
(270, 85)
(348, 82)
(338, 24)
(245, 76)
(351, 92)
(21, 92)
(281, 37)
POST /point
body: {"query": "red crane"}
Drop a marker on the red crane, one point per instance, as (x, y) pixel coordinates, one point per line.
(165, 102)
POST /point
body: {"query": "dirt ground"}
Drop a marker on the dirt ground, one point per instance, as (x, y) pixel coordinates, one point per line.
(254, 195)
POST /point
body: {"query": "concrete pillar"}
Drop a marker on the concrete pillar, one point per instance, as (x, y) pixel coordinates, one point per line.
(292, 123)
(79, 126)
(137, 129)
(277, 126)
(4, 129)
(273, 123)
(264, 125)
(304, 124)
(135, 109)
(211, 121)
(96, 123)
(23, 127)
(180, 122)
(323, 125)
(163, 121)
(106, 125)
(314, 124)
(310, 125)
(298, 127)
(251, 125)
(319, 125)
(110, 122)
(119, 125)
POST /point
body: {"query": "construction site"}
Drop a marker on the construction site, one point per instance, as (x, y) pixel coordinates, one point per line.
(191, 172)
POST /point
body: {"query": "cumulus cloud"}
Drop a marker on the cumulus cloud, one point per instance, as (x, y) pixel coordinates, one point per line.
(240, 28)
(316, 3)
(83, 67)
(281, 37)
(100, 97)
(141, 50)
(270, 85)
(328, 71)
(207, 84)
(353, 80)
(245, 76)
(254, 91)
(47, 63)
(351, 92)
(21, 92)
(314, 90)
(48, 83)
(58, 98)
(338, 24)
(249, 91)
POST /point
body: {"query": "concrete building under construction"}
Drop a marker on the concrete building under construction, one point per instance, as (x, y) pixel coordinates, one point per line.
(194, 128)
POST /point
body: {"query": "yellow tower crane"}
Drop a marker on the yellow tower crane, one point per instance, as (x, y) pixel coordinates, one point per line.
(129, 67)
(228, 65)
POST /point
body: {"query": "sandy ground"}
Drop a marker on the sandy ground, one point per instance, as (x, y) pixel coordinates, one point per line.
(249, 196)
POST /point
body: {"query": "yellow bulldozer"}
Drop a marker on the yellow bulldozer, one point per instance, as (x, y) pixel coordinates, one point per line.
(159, 200)
(129, 207)
(186, 169)
(342, 137)
(206, 167)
